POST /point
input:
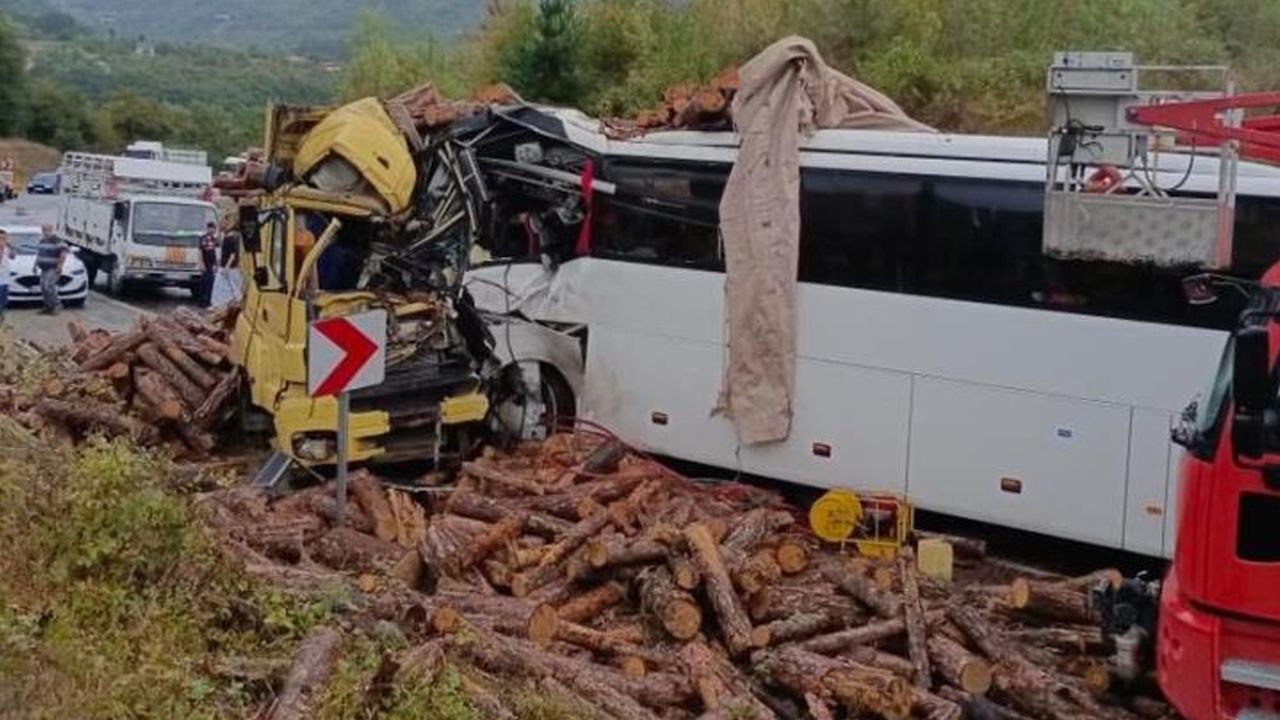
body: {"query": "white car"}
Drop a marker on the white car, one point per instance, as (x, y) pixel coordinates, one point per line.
(24, 279)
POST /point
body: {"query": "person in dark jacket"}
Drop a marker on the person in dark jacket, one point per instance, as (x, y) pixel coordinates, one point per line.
(51, 255)
(209, 247)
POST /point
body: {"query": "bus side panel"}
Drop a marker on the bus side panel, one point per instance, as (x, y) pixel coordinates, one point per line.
(1047, 464)
(850, 426)
(1173, 491)
(1145, 506)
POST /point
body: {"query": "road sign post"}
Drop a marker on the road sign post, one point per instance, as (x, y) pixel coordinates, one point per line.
(345, 354)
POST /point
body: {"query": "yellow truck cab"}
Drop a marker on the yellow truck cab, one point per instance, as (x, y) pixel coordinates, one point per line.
(336, 203)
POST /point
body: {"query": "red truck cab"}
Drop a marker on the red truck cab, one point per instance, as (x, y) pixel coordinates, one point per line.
(1218, 639)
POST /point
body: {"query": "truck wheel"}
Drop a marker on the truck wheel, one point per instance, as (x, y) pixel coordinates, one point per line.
(558, 399)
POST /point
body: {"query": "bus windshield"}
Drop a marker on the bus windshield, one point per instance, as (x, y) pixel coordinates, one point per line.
(157, 223)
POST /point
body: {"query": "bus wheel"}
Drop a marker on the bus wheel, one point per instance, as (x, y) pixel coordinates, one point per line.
(560, 406)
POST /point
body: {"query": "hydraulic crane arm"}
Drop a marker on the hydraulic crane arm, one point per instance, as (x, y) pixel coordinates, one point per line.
(1201, 122)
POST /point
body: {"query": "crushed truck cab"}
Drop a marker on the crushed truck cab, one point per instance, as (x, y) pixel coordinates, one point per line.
(333, 232)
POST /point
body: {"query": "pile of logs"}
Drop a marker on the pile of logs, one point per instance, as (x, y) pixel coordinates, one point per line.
(166, 380)
(685, 106)
(577, 564)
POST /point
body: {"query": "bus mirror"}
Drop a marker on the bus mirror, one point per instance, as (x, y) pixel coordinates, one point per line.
(1249, 372)
(249, 229)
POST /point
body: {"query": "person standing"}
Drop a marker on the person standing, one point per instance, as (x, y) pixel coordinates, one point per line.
(6, 254)
(51, 255)
(208, 263)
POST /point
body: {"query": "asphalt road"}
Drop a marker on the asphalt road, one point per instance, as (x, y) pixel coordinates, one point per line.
(100, 310)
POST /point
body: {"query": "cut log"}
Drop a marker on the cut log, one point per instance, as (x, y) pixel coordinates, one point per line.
(1109, 577)
(605, 643)
(977, 707)
(591, 603)
(797, 627)
(958, 667)
(212, 410)
(580, 533)
(1052, 601)
(1078, 639)
(192, 369)
(311, 668)
(792, 557)
(477, 506)
(495, 538)
(507, 480)
(1094, 673)
(836, 642)
(605, 458)
(526, 583)
(980, 634)
(734, 624)
(190, 393)
(344, 548)
(683, 571)
(120, 344)
(618, 551)
(90, 415)
(674, 609)
(928, 706)
(153, 389)
(720, 685)
(966, 548)
(858, 688)
(754, 528)
(367, 492)
(863, 590)
(753, 574)
(913, 614)
(780, 601)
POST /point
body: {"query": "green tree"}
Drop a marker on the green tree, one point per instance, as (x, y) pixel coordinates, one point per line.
(545, 64)
(13, 89)
(381, 66)
(59, 116)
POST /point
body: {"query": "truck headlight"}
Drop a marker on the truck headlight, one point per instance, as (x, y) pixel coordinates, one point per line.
(314, 449)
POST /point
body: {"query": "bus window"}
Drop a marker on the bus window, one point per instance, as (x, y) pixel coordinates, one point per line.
(855, 227)
(662, 213)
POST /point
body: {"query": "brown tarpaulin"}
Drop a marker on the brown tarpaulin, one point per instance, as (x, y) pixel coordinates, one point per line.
(787, 92)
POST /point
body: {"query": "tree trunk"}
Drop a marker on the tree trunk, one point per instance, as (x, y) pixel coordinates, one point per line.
(673, 608)
(836, 642)
(1052, 601)
(367, 492)
(858, 688)
(311, 668)
(479, 507)
(525, 583)
(190, 393)
(864, 591)
(781, 601)
(580, 533)
(1108, 577)
(591, 603)
(720, 684)
(977, 707)
(957, 666)
(606, 643)
(913, 614)
(755, 527)
(343, 548)
(734, 624)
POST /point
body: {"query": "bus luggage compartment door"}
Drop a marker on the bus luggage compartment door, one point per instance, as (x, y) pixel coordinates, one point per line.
(1037, 462)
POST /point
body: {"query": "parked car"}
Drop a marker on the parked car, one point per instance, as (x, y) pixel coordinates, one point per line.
(44, 184)
(24, 280)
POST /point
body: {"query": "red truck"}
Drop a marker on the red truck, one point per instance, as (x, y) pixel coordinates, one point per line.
(1217, 646)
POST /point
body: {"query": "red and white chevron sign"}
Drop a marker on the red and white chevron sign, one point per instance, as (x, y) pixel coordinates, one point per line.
(346, 353)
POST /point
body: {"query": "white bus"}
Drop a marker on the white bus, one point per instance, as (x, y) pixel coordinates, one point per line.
(941, 353)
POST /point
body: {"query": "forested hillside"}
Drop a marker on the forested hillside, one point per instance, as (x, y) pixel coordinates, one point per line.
(317, 28)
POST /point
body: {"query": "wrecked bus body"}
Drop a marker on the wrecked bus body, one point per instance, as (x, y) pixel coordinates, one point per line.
(941, 353)
(346, 218)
